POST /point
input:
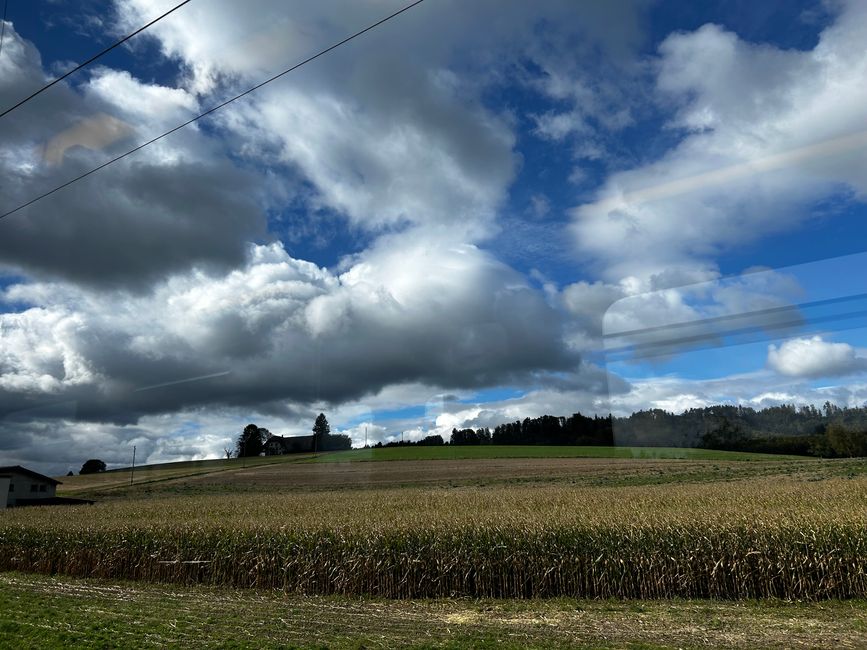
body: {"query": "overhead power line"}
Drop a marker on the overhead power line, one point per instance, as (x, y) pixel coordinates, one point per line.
(91, 59)
(210, 110)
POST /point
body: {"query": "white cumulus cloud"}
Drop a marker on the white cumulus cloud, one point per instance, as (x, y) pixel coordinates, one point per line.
(815, 357)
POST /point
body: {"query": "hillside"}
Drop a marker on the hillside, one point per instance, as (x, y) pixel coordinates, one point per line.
(242, 471)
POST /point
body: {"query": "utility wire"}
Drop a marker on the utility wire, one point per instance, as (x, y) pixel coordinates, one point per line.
(90, 60)
(210, 110)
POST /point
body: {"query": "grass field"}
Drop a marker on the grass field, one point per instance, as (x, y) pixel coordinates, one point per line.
(46, 612)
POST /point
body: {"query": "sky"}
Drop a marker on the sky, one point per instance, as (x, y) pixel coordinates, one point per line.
(474, 213)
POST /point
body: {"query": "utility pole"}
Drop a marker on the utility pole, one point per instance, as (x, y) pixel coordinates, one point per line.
(132, 471)
(365, 436)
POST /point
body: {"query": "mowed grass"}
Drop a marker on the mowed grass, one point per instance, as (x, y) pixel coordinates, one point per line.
(801, 533)
(48, 612)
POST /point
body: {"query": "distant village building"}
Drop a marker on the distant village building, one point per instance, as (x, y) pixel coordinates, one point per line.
(20, 486)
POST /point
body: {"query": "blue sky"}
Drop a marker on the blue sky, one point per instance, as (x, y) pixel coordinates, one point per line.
(441, 224)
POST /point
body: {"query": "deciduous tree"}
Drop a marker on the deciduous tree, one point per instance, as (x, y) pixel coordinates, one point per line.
(251, 441)
(92, 466)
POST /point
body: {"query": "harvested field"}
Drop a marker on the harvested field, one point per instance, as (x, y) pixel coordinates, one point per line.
(119, 479)
(303, 475)
(419, 472)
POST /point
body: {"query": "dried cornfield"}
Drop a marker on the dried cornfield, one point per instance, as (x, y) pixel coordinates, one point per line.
(785, 538)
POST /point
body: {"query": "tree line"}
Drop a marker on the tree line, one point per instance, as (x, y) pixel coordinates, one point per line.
(828, 432)
(576, 429)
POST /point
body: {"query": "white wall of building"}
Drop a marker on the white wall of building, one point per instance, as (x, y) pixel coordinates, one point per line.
(22, 486)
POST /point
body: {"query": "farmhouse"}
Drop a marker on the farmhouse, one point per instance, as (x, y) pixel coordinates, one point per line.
(20, 486)
(278, 445)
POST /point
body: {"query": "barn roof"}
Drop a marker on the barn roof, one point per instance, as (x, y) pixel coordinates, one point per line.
(17, 469)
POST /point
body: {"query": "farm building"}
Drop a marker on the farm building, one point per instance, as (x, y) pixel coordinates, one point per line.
(278, 445)
(20, 486)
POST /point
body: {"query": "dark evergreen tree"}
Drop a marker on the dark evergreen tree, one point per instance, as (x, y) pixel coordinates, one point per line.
(321, 431)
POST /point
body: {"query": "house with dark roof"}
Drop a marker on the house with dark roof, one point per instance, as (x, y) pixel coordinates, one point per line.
(20, 486)
(278, 445)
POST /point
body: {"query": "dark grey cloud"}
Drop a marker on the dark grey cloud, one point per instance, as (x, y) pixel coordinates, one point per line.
(280, 332)
(134, 224)
(164, 210)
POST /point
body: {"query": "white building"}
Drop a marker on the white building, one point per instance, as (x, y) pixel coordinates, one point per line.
(20, 486)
